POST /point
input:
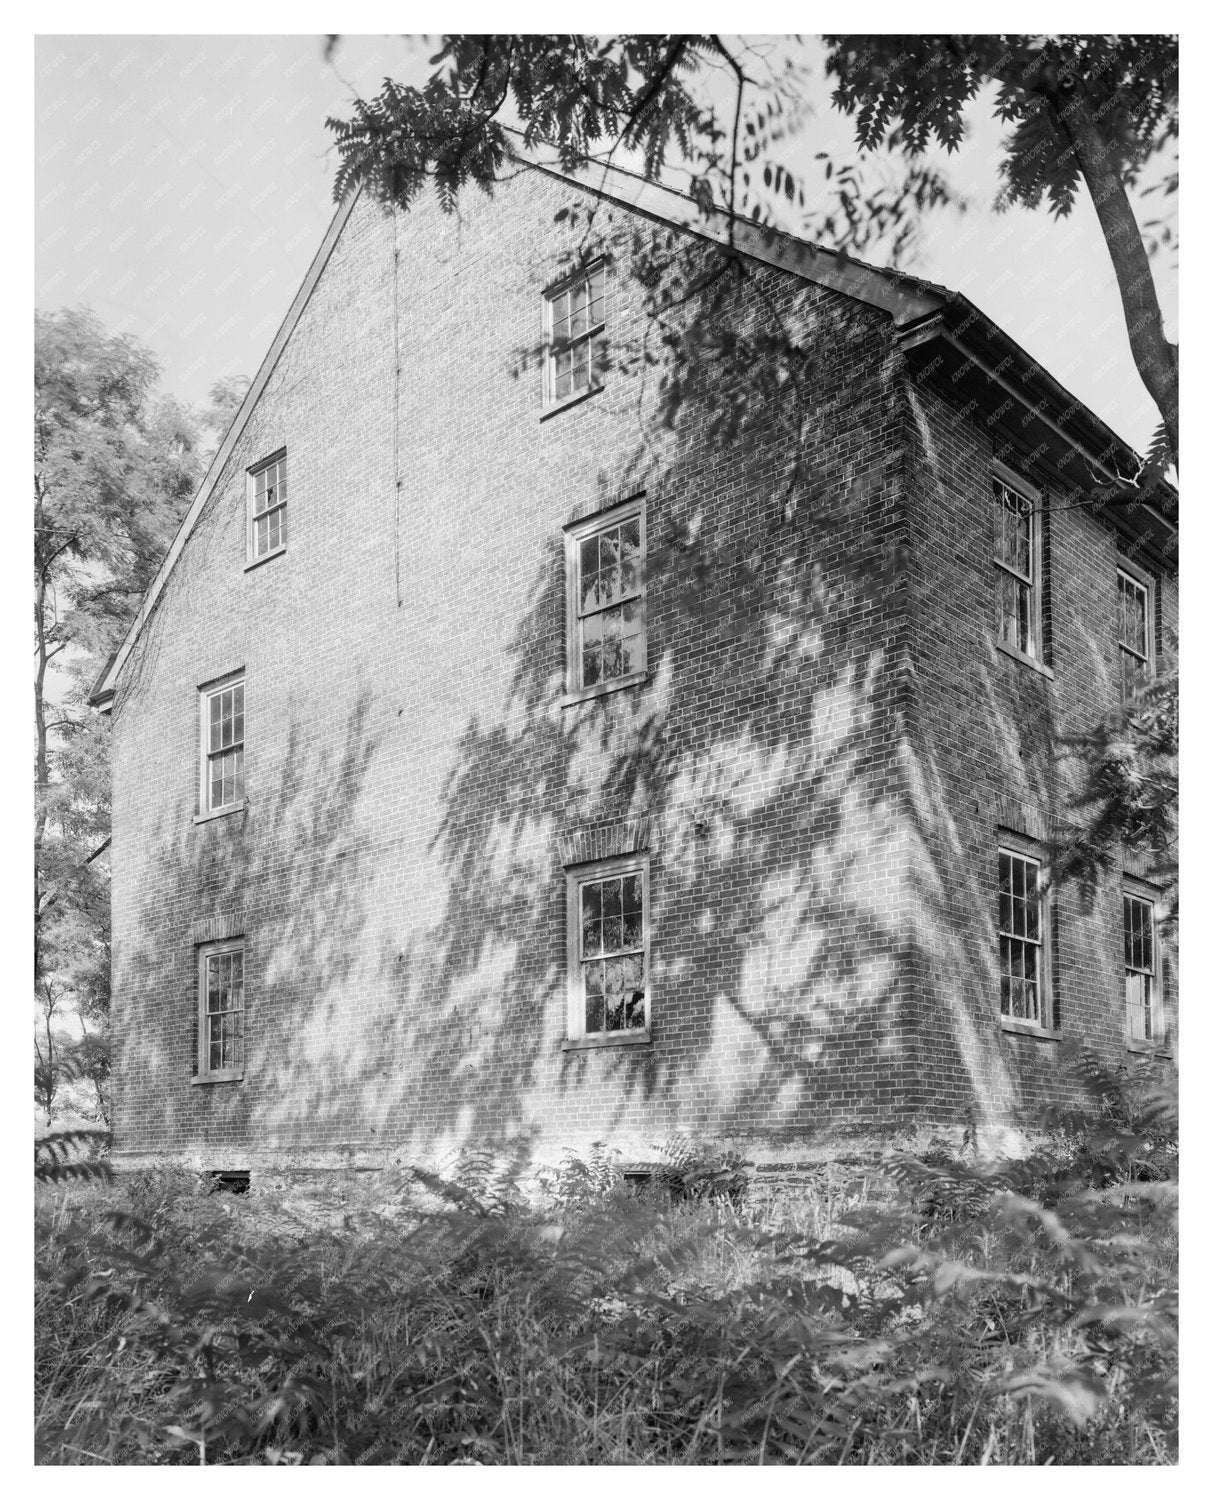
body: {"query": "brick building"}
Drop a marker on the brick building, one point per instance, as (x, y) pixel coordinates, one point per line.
(494, 758)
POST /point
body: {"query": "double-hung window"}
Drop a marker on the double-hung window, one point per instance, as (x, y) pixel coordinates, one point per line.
(1141, 1012)
(1132, 632)
(267, 508)
(604, 578)
(1017, 566)
(221, 1011)
(222, 767)
(575, 335)
(1023, 940)
(608, 921)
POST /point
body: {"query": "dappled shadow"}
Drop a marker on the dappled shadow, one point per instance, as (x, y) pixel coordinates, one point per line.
(817, 787)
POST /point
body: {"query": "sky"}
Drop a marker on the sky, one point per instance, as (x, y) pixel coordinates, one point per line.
(183, 184)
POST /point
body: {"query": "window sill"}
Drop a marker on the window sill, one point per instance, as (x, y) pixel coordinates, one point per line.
(1029, 1028)
(1025, 659)
(607, 1039)
(265, 557)
(633, 679)
(565, 402)
(231, 1076)
(219, 812)
(1147, 1049)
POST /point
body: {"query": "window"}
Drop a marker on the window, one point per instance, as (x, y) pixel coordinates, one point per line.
(267, 508)
(575, 335)
(1022, 940)
(609, 950)
(221, 1010)
(223, 747)
(1141, 1019)
(1017, 567)
(1132, 632)
(604, 565)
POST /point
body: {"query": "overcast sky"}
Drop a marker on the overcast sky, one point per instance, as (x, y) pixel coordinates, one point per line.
(182, 185)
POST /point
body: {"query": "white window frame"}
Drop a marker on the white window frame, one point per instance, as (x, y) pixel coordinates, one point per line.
(575, 879)
(596, 330)
(1143, 584)
(1155, 1019)
(581, 531)
(1002, 476)
(1045, 1023)
(253, 558)
(206, 952)
(205, 753)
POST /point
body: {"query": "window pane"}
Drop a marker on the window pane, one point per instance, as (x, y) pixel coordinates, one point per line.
(594, 1007)
(598, 296)
(588, 565)
(633, 893)
(579, 316)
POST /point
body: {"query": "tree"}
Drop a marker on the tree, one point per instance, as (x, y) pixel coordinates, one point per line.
(1129, 796)
(1081, 110)
(1094, 108)
(113, 473)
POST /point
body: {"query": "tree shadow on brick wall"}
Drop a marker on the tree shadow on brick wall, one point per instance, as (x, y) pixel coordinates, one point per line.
(291, 874)
(769, 750)
(811, 971)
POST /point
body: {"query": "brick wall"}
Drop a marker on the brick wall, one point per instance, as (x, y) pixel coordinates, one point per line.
(414, 784)
(986, 732)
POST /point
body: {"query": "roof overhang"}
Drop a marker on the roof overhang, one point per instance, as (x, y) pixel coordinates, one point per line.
(903, 296)
(943, 336)
(964, 353)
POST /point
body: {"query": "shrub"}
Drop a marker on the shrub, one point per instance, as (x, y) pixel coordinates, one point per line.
(962, 1321)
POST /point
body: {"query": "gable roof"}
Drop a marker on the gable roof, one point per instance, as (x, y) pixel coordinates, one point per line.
(104, 688)
(929, 319)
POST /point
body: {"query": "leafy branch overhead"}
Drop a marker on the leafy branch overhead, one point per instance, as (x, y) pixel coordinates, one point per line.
(1081, 110)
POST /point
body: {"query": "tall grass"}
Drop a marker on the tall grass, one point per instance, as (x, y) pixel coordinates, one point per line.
(1014, 1313)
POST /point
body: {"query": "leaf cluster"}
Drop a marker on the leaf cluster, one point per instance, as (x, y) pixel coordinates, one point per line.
(598, 1326)
(911, 90)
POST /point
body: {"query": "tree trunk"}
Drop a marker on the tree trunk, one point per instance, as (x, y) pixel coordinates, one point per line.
(1157, 359)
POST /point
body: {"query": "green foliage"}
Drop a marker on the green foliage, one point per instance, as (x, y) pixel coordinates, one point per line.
(907, 90)
(1082, 108)
(1129, 793)
(67, 1156)
(614, 1327)
(113, 472)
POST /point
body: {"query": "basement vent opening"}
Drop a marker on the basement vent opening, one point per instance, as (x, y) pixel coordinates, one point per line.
(229, 1182)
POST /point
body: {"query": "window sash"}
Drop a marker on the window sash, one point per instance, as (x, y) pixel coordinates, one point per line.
(1132, 633)
(267, 507)
(1021, 938)
(1017, 568)
(610, 951)
(606, 610)
(1139, 967)
(576, 322)
(221, 1039)
(223, 769)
